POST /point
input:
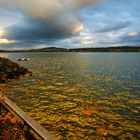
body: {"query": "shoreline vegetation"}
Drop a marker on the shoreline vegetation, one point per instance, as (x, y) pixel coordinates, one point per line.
(12, 127)
(100, 49)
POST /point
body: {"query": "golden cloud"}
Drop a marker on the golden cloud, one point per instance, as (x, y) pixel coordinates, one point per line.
(6, 41)
(88, 42)
(132, 34)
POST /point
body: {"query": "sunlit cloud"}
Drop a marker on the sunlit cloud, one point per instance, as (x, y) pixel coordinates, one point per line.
(132, 34)
(86, 35)
(2, 33)
(3, 39)
(88, 42)
(6, 41)
(112, 35)
(78, 28)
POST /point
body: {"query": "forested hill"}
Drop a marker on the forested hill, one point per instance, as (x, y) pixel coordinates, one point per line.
(102, 49)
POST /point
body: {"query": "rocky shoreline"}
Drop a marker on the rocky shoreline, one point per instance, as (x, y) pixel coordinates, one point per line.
(12, 126)
(11, 70)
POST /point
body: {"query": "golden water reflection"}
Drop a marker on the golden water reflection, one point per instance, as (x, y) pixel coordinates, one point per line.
(95, 96)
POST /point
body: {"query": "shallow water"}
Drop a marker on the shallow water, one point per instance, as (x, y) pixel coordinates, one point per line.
(81, 95)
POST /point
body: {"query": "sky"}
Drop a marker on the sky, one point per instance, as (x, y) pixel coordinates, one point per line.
(26, 24)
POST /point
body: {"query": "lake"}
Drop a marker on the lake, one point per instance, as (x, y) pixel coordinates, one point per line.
(81, 95)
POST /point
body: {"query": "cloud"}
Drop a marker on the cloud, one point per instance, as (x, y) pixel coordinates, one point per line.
(45, 19)
(69, 23)
(131, 37)
(44, 9)
(121, 39)
(40, 29)
(132, 34)
(114, 27)
(88, 42)
(5, 41)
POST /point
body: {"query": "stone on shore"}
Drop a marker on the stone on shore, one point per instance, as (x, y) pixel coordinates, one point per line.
(11, 70)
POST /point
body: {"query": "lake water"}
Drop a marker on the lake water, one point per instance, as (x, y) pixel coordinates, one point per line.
(81, 95)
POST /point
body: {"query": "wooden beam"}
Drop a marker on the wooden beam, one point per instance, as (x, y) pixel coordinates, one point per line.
(40, 130)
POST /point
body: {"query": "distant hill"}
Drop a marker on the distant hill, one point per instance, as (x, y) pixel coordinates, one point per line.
(108, 49)
(49, 49)
(101, 49)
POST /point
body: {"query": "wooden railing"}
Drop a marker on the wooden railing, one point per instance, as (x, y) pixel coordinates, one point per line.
(30, 122)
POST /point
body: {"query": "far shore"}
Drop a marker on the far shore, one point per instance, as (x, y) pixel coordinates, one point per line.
(100, 49)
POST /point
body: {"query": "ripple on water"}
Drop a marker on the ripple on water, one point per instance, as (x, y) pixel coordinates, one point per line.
(94, 96)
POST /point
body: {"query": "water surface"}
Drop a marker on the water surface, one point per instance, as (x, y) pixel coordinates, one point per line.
(81, 95)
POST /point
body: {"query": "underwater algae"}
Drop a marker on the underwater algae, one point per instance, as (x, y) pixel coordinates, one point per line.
(84, 99)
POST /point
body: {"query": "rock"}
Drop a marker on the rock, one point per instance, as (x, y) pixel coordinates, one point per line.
(11, 70)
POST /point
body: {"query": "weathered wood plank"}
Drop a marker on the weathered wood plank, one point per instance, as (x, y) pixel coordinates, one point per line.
(40, 130)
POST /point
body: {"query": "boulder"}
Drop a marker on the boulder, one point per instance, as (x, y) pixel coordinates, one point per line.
(11, 70)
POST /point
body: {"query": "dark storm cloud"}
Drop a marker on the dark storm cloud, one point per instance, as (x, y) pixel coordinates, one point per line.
(130, 38)
(42, 29)
(44, 19)
(114, 27)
